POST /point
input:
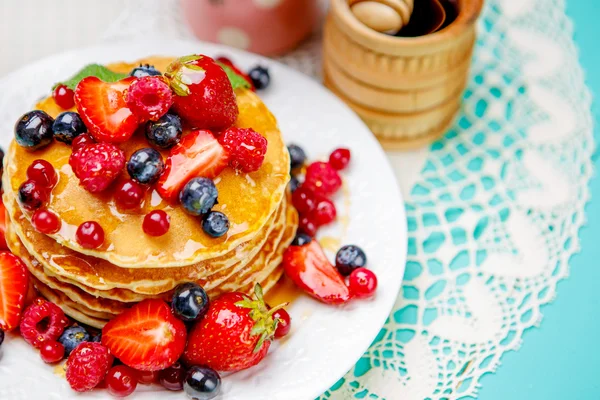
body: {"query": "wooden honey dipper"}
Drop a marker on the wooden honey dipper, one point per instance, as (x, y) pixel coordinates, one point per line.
(385, 16)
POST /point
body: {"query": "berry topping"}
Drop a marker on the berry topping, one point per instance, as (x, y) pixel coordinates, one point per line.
(147, 377)
(308, 267)
(204, 96)
(146, 337)
(52, 352)
(260, 77)
(73, 337)
(294, 184)
(172, 378)
(87, 366)
(14, 283)
(198, 154)
(149, 98)
(349, 258)
(247, 148)
(189, 302)
(297, 156)
(67, 127)
(362, 283)
(321, 178)
(202, 383)
(224, 61)
(32, 195)
(156, 223)
(3, 245)
(307, 226)
(324, 213)
(1, 337)
(284, 323)
(215, 224)
(63, 97)
(144, 70)
(34, 130)
(198, 196)
(304, 200)
(129, 194)
(42, 322)
(301, 239)
(90, 235)
(235, 333)
(121, 381)
(103, 109)
(97, 165)
(164, 133)
(43, 173)
(45, 221)
(81, 141)
(339, 159)
(145, 165)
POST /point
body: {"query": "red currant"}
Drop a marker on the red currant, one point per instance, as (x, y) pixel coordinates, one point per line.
(156, 223)
(147, 377)
(129, 194)
(32, 195)
(52, 352)
(304, 200)
(80, 141)
(43, 173)
(324, 213)
(121, 381)
(45, 221)
(90, 235)
(172, 378)
(285, 323)
(64, 97)
(339, 159)
(308, 226)
(362, 282)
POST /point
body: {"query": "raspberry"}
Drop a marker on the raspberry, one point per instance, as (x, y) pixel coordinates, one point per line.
(87, 366)
(42, 322)
(97, 165)
(246, 147)
(149, 98)
(322, 179)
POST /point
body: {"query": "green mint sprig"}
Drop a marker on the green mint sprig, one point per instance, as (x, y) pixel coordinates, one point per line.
(97, 70)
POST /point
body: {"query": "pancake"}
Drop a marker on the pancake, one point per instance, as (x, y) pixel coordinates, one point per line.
(249, 200)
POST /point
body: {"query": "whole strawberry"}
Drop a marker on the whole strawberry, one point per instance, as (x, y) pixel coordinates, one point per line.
(235, 333)
(204, 95)
(97, 165)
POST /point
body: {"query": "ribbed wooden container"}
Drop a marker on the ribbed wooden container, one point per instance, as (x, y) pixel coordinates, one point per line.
(407, 90)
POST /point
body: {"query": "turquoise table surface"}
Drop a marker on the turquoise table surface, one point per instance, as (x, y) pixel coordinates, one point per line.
(561, 358)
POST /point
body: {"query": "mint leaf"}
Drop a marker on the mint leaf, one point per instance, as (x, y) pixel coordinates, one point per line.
(236, 80)
(97, 70)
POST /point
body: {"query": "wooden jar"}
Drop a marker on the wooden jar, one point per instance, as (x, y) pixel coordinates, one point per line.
(406, 89)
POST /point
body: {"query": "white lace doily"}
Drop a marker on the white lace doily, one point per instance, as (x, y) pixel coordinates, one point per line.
(494, 216)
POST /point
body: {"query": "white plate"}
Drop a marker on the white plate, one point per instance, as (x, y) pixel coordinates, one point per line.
(325, 341)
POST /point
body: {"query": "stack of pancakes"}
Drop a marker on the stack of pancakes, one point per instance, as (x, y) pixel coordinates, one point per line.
(93, 286)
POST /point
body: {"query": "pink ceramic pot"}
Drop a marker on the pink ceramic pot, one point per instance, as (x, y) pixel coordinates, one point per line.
(262, 26)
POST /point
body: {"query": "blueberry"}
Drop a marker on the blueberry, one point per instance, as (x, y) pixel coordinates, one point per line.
(144, 70)
(297, 156)
(215, 224)
(348, 258)
(198, 196)
(202, 383)
(145, 165)
(294, 183)
(164, 133)
(97, 338)
(260, 77)
(34, 130)
(67, 127)
(190, 302)
(1, 336)
(72, 337)
(301, 239)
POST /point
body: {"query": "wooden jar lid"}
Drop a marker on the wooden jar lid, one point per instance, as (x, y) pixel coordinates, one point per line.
(386, 16)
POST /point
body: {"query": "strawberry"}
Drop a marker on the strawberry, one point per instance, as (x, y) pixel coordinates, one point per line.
(103, 109)
(204, 95)
(235, 333)
(197, 154)
(3, 245)
(308, 267)
(14, 284)
(146, 337)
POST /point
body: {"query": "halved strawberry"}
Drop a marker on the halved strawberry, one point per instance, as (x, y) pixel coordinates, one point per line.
(197, 154)
(146, 337)
(308, 267)
(3, 245)
(14, 283)
(104, 111)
